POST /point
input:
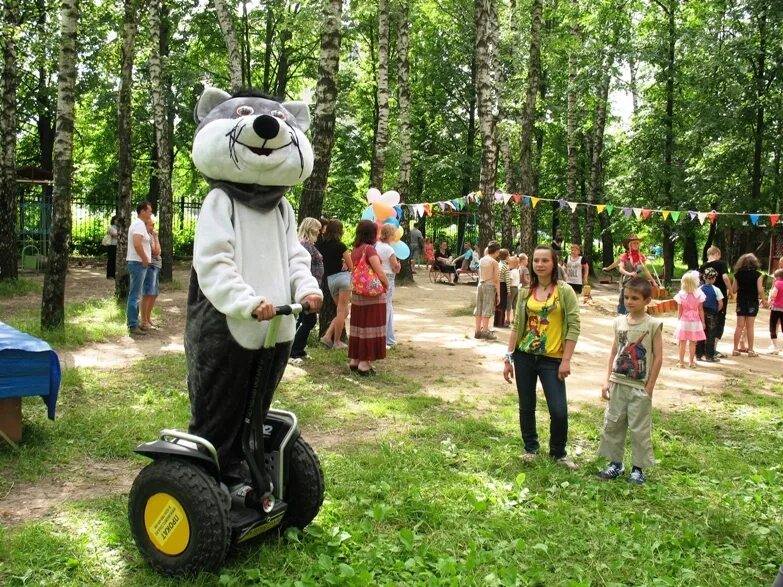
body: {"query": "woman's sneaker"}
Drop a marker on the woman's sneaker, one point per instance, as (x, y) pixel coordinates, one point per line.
(637, 476)
(613, 471)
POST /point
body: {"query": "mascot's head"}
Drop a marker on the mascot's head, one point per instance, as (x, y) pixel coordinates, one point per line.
(250, 138)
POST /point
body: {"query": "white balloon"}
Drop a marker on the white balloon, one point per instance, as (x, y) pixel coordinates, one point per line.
(373, 194)
(391, 198)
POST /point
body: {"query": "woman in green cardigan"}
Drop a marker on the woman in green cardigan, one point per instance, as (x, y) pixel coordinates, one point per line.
(540, 347)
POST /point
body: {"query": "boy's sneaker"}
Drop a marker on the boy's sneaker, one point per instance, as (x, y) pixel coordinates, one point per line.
(568, 464)
(613, 471)
(478, 334)
(772, 349)
(489, 335)
(637, 476)
(711, 359)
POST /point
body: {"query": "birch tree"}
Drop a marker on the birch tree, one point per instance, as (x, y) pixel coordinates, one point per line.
(312, 199)
(8, 262)
(226, 23)
(528, 238)
(404, 106)
(486, 52)
(378, 168)
(53, 298)
(162, 140)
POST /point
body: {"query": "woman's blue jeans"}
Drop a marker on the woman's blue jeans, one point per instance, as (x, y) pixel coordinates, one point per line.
(528, 369)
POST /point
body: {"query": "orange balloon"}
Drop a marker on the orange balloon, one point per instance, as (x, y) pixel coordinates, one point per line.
(382, 211)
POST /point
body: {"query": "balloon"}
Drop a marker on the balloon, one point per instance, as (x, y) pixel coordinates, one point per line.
(398, 209)
(392, 220)
(368, 214)
(390, 198)
(401, 250)
(373, 194)
(382, 211)
(398, 234)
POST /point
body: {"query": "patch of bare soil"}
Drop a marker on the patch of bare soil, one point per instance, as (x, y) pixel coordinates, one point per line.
(434, 329)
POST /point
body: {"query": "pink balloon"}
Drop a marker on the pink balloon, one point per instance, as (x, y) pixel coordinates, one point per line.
(373, 194)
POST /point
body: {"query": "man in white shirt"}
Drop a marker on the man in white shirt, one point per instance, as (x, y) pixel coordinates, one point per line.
(139, 256)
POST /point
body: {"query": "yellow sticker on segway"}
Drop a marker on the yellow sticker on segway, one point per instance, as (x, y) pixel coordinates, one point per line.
(166, 523)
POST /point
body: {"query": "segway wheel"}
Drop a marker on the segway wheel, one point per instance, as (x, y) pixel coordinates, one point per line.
(304, 490)
(179, 518)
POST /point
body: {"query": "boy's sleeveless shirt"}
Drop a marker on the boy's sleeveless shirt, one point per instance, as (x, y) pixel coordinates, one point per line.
(634, 356)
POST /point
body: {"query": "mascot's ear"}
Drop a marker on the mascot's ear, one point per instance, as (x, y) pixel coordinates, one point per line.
(301, 113)
(208, 100)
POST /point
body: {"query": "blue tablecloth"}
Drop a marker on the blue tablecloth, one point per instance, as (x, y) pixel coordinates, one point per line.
(28, 366)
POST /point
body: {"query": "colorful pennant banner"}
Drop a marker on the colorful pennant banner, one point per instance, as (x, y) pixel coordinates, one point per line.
(457, 204)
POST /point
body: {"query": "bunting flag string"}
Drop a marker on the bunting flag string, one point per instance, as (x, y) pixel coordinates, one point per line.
(644, 214)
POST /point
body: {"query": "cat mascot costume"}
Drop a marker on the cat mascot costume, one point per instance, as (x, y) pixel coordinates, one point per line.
(246, 259)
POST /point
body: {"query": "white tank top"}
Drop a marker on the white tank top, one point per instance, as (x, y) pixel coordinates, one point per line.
(574, 270)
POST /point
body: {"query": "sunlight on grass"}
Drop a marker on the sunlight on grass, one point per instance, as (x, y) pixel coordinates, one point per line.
(85, 322)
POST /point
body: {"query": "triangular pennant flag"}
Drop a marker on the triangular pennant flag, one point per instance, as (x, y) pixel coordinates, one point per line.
(609, 209)
(451, 204)
(638, 212)
(627, 212)
(773, 219)
(442, 206)
(572, 205)
(693, 214)
(506, 198)
(712, 216)
(562, 203)
(600, 208)
(676, 215)
(754, 219)
(526, 200)
(701, 216)
(534, 201)
(427, 209)
(498, 196)
(516, 198)
(646, 213)
(665, 214)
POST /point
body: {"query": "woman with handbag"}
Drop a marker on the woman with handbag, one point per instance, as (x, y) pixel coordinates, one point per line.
(367, 332)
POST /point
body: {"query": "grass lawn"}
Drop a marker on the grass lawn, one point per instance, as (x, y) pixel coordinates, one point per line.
(424, 492)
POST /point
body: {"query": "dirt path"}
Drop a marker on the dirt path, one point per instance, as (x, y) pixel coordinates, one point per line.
(436, 348)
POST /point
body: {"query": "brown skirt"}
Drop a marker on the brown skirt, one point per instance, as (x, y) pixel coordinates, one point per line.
(367, 331)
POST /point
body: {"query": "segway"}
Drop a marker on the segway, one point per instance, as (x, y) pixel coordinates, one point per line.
(184, 517)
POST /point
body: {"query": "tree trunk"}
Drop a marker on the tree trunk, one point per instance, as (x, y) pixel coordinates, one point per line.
(572, 140)
(162, 141)
(404, 106)
(758, 130)
(506, 227)
(8, 251)
(283, 64)
(595, 183)
(527, 125)
(312, 199)
(382, 129)
(125, 159)
(486, 47)
(53, 298)
(668, 148)
(226, 22)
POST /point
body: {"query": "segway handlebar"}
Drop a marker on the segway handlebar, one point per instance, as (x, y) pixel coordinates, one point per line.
(289, 309)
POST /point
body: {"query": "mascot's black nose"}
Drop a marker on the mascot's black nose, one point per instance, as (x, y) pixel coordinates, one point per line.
(266, 126)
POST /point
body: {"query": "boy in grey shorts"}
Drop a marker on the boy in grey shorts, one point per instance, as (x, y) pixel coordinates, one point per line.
(634, 364)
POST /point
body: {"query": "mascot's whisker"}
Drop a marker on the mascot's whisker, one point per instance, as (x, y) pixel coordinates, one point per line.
(233, 139)
(295, 141)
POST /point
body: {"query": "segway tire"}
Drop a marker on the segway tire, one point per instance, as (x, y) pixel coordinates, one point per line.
(304, 490)
(203, 546)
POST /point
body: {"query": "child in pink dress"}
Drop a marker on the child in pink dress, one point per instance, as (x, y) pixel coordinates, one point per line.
(690, 317)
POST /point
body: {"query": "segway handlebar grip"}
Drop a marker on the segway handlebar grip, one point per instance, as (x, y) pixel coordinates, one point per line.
(288, 309)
